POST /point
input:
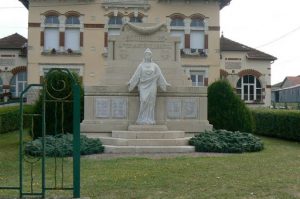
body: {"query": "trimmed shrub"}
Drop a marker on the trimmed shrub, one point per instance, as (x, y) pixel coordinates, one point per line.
(222, 141)
(226, 110)
(10, 118)
(278, 123)
(59, 105)
(62, 146)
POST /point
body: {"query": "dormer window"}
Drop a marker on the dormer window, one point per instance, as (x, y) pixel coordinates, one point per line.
(51, 20)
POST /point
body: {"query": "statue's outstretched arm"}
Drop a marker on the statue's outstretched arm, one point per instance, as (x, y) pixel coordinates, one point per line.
(162, 82)
(134, 81)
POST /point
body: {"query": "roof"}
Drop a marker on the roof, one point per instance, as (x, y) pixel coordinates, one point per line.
(229, 45)
(222, 3)
(290, 81)
(14, 41)
(25, 3)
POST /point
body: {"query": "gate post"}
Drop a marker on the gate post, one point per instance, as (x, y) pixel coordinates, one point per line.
(76, 140)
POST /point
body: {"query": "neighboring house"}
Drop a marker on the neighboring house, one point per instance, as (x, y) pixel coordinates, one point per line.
(13, 66)
(74, 34)
(248, 70)
(287, 91)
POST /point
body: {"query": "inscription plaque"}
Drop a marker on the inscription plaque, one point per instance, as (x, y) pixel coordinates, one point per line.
(189, 108)
(119, 108)
(174, 108)
(102, 107)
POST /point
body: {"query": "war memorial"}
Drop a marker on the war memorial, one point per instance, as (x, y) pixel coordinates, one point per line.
(145, 103)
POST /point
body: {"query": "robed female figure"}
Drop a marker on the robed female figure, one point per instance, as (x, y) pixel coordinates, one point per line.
(147, 77)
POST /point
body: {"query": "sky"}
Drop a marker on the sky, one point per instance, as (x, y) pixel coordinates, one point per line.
(272, 26)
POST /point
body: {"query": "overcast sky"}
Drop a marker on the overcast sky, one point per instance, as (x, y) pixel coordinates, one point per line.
(272, 26)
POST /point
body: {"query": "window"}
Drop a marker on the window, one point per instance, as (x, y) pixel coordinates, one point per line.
(180, 34)
(72, 20)
(115, 20)
(135, 20)
(249, 88)
(177, 22)
(197, 78)
(18, 83)
(51, 39)
(51, 20)
(114, 25)
(197, 38)
(51, 33)
(177, 29)
(197, 22)
(72, 33)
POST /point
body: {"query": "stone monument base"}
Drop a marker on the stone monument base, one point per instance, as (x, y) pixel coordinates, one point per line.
(111, 112)
(145, 139)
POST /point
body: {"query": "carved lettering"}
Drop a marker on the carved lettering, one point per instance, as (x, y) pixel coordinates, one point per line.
(174, 108)
(102, 107)
(189, 108)
(119, 108)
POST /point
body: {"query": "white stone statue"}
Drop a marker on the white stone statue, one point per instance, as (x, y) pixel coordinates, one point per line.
(147, 77)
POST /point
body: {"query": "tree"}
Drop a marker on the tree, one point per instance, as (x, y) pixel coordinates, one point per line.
(226, 110)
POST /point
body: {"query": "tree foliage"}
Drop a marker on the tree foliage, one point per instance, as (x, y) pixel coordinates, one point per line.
(58, 104)
(226, 110)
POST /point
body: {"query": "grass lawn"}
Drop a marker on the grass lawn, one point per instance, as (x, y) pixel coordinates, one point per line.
(272, 173)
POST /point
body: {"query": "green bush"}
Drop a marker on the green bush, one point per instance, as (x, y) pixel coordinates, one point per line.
(222, 141)
(59, 106)
(62, 146)
(226, 110)
(278, 123)
(10, 118)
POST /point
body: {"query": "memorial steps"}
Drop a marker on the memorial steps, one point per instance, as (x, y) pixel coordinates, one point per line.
(144, 139)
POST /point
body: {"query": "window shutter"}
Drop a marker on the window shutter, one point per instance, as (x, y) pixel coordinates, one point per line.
(105, 39)
(197, 40)
(61, 39)
(81, 39)
(42, 38)
(187, 40)
(206, 42)
(205, 81)
(72, 39)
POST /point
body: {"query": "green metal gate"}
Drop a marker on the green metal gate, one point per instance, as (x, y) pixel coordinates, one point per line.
(40, 174)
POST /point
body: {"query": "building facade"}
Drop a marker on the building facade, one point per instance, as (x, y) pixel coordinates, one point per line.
(248, 70)
(13, 66)
(74, 34)
(287, 91)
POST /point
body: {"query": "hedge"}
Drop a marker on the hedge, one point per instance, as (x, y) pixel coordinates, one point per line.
(62, 146)
(277, 123)
(222, 141)
(10, 120)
